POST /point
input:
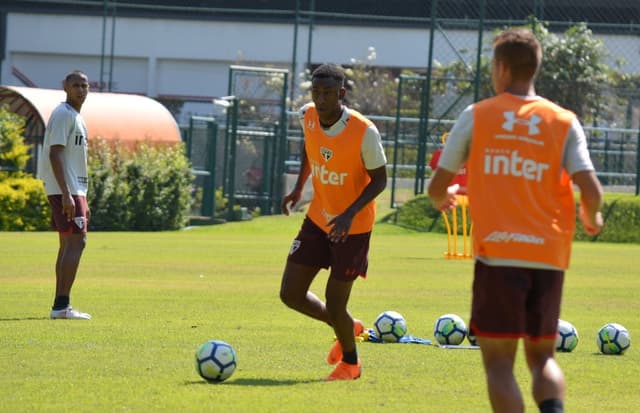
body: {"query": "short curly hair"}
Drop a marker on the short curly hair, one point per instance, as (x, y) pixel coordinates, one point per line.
(329, 71)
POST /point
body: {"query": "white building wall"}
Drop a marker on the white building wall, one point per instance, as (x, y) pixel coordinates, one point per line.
(191, 58)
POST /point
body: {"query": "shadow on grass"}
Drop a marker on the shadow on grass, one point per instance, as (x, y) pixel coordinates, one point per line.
(24, 318)
(253, 382)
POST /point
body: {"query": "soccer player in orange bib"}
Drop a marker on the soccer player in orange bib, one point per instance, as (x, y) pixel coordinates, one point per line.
(344, 156)
(523, 154)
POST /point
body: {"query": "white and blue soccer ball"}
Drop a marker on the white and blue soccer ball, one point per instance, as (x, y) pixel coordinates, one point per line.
(390, 326)
(215, 360)
(567, 337)
(450, 329)
(613, 338)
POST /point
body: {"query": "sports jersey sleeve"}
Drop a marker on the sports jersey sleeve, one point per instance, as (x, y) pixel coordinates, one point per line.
(60, 123)
(456, 149)
(372, 151)
(576, 153)
(301, 113)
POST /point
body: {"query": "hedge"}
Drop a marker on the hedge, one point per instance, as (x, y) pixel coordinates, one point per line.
(621, 213)
(23, 204)
(146, 188)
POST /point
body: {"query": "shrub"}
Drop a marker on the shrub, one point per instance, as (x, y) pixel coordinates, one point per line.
(23, 204)
(621, 214)
(146, 188)
(14, 153)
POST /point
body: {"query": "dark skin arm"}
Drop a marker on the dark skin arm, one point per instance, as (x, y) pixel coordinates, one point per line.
(342, 223)
(290, 200)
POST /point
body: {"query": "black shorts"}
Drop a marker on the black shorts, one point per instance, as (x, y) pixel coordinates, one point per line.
(59, 221)
(513, 302)
(347, 260)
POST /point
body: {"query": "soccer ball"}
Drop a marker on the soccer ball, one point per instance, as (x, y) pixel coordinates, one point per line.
(390, 326)
(567, 337)
(450, 329)
(613, 338)
(215, 361)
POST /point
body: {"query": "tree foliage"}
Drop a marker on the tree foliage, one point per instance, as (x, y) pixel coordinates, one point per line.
(14, 153)
(573, 72)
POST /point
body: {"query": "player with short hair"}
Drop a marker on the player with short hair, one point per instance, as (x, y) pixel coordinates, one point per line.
(523, 154)
(343, 154)
(63, 170)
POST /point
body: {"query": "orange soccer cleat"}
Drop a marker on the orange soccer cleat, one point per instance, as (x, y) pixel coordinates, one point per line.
(345, 371)
(335, 354)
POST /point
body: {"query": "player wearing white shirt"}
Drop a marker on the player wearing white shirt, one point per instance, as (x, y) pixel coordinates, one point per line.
(63, 170)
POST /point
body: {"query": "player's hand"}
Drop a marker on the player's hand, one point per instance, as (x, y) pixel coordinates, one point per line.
(289, 201)
(592, 225)
(68, 207)
(340, 226)
(450, 200)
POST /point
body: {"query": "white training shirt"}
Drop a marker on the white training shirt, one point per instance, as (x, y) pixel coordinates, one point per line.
(67, 128)
(372, 152)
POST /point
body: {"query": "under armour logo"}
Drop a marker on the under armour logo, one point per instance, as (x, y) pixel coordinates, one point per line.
(294, 246)
(326, 153)
(311, 124)
(510, 120)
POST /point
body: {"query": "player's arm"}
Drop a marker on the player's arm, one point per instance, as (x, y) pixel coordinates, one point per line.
(375, 161)
(590, 200)
(577, 163)
(377, 184)
(442, 195)
(56, 157)
(341, 224)
(291, 199)
(454, 154)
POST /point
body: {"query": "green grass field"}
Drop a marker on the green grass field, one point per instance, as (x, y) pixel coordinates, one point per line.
(155, 297)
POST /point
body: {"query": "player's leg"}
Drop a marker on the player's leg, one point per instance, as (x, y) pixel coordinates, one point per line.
(348, 261)
(308, 254)
(496, 288)
(543, 311)
(337, 295)
(294, 291)
(498, 357)
(71, 248)
(548, 386)
(72, 237)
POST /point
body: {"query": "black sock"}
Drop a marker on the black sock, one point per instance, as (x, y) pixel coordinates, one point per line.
(350, 357)
(551, 406)
(61, 302)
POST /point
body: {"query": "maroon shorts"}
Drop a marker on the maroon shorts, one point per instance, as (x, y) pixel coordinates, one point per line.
(512, 302)
(347, 260)
(59, 221)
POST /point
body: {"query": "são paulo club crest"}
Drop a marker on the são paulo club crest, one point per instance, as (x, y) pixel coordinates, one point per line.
(326, 153)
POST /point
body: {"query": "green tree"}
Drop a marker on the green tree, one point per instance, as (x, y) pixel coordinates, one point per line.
(372, 89)
(14, 153)
(573, 72)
